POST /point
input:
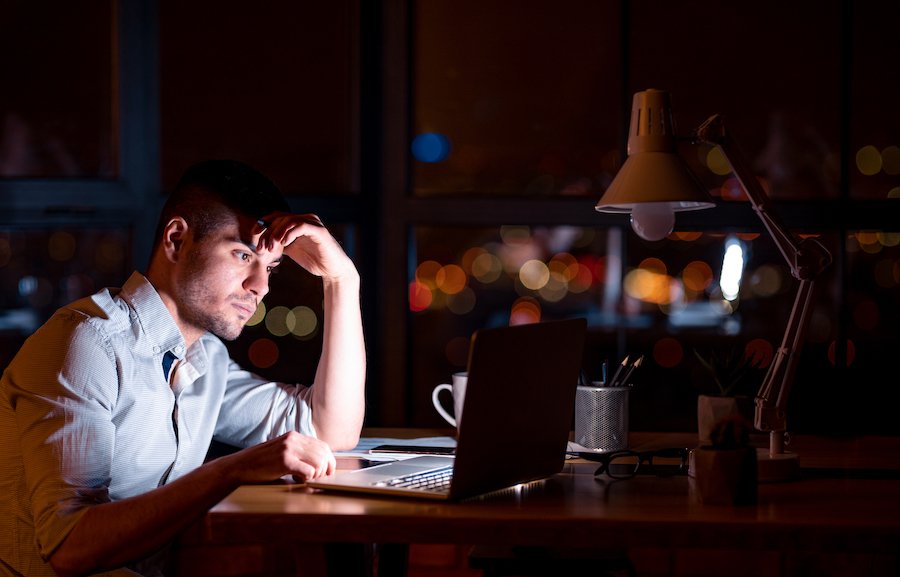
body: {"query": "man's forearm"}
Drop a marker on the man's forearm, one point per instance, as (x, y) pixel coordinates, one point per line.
(114, 534)
(338, 397)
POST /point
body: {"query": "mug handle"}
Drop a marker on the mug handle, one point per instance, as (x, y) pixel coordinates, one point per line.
(437, 402)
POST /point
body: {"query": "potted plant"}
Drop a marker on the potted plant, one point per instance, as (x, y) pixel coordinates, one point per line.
(725, 470)
(736, 377)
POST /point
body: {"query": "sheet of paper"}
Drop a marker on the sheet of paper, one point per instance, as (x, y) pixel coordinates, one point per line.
(367, 443)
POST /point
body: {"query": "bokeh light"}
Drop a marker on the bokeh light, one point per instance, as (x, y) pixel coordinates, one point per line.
(258, 315)
(420, 296)
(869, 242)
(525, 310)
(686, 236)
(716, 162)
(486, 267)
(278, 319)
(581, 281)
(109, 255)
(868, 160)
(556, 288)
(263, 353)
(649, 286)
(890, 159)
(430, 147)
(765, 281)
(697, 276)
(37, 290)
(851, 352)
(731, 189)
(305, 322)
(457, 351)
(468, 257)
(75, 286)
(426, 273)
(654, 264)
(760, 352)
(668, 352)
(512, 234)
(61, 246)
(732, 269)
(889, 238)
(534, 274)
(821, 326)
(450, 278)
(462, 302)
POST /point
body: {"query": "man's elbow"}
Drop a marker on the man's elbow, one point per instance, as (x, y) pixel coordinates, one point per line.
(342, 441)
(69, 564)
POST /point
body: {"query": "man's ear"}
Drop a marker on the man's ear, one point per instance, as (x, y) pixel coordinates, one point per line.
(174, 235)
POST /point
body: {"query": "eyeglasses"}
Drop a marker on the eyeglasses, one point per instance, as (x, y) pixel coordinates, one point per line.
(626, 464)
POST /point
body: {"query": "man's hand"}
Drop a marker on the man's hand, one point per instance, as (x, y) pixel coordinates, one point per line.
(290, 454)
(305, 240)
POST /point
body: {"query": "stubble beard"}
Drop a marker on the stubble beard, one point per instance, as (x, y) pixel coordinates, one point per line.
(197, 296)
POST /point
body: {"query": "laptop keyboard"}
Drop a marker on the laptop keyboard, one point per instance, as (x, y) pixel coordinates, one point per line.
(437, 480)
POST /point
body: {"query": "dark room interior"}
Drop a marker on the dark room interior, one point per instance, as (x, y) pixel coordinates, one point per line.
(457, 151)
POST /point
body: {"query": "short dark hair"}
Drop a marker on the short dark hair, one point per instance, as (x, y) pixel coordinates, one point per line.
(211, 191)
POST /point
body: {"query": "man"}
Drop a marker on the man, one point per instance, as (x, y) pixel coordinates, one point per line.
(107, 411)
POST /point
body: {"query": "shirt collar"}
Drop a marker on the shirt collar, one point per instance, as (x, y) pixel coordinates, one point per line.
(155, 319)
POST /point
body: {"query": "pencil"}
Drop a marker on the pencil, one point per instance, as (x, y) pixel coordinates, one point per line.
(630, 370)
(614, 381)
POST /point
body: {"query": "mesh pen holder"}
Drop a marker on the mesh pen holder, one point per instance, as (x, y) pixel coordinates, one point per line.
(601, 418)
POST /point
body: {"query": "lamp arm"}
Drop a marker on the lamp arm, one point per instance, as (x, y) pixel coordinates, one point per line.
(807, 258)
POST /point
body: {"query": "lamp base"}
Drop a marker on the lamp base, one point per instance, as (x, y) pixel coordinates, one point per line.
(776, 468)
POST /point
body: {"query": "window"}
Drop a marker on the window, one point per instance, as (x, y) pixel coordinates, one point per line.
(792, 104)
(58, 106)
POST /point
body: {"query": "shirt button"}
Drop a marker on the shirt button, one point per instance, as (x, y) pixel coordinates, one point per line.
(157, 349)
(179, 349)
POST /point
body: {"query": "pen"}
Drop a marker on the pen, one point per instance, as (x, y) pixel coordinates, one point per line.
(582, 379)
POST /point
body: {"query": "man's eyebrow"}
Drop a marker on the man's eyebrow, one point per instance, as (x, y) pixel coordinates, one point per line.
(249, 244)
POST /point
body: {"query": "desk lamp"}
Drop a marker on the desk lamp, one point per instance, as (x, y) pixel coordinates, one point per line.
(654, 183)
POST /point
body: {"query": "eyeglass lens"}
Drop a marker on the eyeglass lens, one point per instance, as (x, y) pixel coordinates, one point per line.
(626, 464)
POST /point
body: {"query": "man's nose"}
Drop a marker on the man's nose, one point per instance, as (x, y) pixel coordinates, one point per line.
(258, 281)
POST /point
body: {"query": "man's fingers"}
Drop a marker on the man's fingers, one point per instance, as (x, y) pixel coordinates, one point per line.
(308, 458)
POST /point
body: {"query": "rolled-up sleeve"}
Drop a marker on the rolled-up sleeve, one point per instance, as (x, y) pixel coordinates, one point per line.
(67, 434)
(255, 410)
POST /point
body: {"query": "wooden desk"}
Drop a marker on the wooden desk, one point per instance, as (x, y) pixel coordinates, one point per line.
(831, 509)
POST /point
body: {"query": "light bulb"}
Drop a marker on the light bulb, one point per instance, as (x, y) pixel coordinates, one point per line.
(652, 220)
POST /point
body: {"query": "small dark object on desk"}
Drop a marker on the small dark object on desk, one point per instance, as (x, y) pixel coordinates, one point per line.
(416, 449)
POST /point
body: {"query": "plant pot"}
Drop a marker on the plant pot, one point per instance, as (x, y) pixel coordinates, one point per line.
(712, 408)
(725, 476)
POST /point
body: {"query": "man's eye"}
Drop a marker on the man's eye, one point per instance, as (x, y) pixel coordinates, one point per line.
(272, 269)
(244, 256)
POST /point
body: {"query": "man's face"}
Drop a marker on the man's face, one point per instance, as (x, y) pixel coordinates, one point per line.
(223, 278)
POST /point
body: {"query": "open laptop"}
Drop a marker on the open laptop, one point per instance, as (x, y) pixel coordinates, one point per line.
(517, 416)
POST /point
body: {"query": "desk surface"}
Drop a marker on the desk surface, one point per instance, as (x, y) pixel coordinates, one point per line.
(832, 507)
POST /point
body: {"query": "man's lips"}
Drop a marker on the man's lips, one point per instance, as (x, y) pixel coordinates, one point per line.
(246, 308)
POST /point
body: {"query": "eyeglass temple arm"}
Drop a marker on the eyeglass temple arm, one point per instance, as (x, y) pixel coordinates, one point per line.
(806, 258)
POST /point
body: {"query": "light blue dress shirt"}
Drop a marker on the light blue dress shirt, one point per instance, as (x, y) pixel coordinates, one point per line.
(87, 416)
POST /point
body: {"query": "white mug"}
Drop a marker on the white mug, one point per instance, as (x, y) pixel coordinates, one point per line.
(458, 390)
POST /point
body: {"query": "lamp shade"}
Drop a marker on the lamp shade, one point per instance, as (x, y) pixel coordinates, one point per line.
(653, 171)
